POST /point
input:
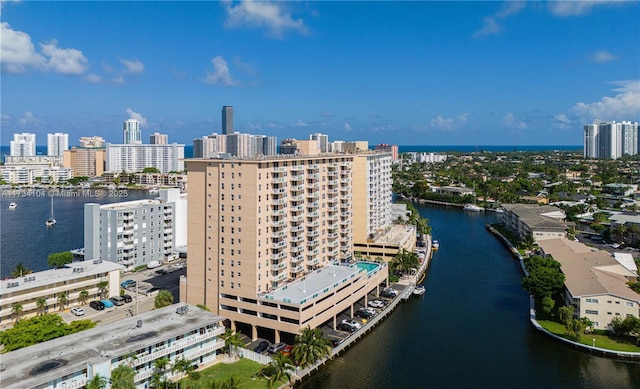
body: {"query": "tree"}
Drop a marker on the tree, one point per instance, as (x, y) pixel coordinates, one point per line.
(548, 304)
(150, 170)
(310, 345)
(41, 304)
(16, 309)
(545, 277)
(20, 270)
(183, 366)
(37, 329)
(63, 299)
(97, 382)
(122, 377)
(565, 314)
(231, 340)
(281, 369)
(103, 286)
(58, 260)
(163, 299)
(575, 327)
(159, 377)
(83, 296)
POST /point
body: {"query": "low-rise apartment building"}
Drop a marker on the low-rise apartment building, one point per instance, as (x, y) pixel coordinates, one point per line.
(541, 222)
(70, 280)
(175, 332)
(596, 282)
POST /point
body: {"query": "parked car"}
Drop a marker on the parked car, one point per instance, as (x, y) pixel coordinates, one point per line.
(117, 300)
(261, 347)
(363, 313)
(125, 283)
(77, 311)
(389, 293)
(346, 327)
(274, 348)
(376, 304)
(336, 342)
(162, 271)
(97, 305)
(353, 323)
(127, 298)
(286, 351)
(107, 303)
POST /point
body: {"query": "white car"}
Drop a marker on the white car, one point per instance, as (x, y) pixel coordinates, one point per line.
(352, 323)
(77, 311)
(376, 304)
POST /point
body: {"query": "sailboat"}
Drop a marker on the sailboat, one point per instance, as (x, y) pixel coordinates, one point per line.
(473, 207)
(52, 220)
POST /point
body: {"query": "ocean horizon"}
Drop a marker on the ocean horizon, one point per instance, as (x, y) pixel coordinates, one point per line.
(188, 149)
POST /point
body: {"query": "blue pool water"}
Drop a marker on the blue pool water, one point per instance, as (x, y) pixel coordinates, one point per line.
(368, 266)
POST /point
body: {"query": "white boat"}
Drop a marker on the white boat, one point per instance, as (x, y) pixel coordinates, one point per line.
(473, 208)
(51, 221)
(419, 290)
(435, 245)
(13, 206)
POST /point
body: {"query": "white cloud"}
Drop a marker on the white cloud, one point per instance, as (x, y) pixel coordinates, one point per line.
(300, 123)
(574, 8)
(269, 15)
(28, 118)
(17, 53)
(490, 24)
(448, 124)
(602, 56)
(623, 106)
(221, 74)
(137, 116)
(133, 66)
(510, 120)
(347, 126)
(93, 78)
(561, 120)
(118, 80)
(64, 61)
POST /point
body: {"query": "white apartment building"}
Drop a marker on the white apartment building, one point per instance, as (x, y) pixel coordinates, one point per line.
(132, 158)
(50, 284)
(57, 143)
(56, 174)
(158, 139)
(209, 146)
(18, 175)
(134, 233)
(131, 133)
(175, 332)
(323, 140)
(610, 140)
(23, 145)
(93, 141)
(373, 204)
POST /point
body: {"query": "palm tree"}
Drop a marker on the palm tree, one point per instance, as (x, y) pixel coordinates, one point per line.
(122, 377)
(163, 299)
(158, 380)
(63, 300)
(183, 366)
(282, 369)
(20, 270)
(231, 340)
(83, 296)
(103, 286)
(97, 382)
(310, 346)
(42, 305)
(16, 309)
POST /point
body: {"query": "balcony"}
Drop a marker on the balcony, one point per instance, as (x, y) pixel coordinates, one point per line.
(297, 188)
(279, 180)
(313, 205)
(297, 168)
(279, 234)
(278, 245)
(296, 249)
(314, 262)
(279, 169)
(278, 223)
(313, 253)
(296, 229)
(296, 208)
(297, 218)
(332, 235)
(278, 191)
(278, 266)
(313, 195)
(279, 277)
(299, 197)
(296, 259)
(279, 212)
(297, 269)
(279, 256)
(313, 224)
(312, 233)
(296, 239)
(313, 214)
(313, 176)
(313, 242)
(278, 201)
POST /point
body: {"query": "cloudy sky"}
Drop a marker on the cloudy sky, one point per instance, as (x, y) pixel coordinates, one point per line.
(429, 73)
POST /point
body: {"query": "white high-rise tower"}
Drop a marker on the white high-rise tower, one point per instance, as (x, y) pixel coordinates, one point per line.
(23, 145)
(131, 132)
(57, 143)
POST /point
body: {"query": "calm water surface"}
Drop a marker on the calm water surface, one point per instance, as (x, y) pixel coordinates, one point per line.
(24, 236)
(470, 330)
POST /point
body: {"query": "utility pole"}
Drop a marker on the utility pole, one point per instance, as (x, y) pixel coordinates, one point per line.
(137, 294)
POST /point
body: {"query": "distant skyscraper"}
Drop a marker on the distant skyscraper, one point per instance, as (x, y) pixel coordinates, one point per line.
(131, 132)
(57, 143)
(158, 139)
(610, 140)
(227, 120)
(323, 141)
(92, 142)
(23, 145)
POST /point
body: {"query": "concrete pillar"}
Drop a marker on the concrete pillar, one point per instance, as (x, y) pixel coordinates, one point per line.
(277, 337)
(233, 325)
(254, 332)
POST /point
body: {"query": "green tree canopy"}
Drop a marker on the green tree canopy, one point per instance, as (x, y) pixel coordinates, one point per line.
(163, 299)
(150, 170)
(40, 329)
(122, 377)
(21, 270)
(545, 278)
(58, 260)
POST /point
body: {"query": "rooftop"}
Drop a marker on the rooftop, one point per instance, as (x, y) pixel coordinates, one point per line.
(396, 235)
(46, 361)
(69, 272)
(131, 204)
(323, 280)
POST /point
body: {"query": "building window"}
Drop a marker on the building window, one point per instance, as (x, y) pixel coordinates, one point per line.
(628, 304)
(595, 301)
(222, 283)
(232, 285)
(231, 274)
(592, 312)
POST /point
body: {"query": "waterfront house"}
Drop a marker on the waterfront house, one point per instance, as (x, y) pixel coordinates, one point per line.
(541, 222)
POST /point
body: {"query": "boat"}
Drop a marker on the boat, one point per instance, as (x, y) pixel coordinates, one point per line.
(13, 206)
(51, 221)
(419, 290)
(435, 245)
(473, 208)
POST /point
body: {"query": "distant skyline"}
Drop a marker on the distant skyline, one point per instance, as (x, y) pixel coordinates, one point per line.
(427, 73)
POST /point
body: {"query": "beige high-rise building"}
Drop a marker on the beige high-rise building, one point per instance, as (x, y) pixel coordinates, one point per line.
(266, 239)
(87, 162)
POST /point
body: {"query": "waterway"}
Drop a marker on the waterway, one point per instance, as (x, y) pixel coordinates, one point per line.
(23, 234)
(470, 330)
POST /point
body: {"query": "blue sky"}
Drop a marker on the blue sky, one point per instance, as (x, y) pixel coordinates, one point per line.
(432, 73)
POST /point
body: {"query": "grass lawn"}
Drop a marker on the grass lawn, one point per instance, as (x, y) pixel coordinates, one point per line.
(608, 342)
(242, 370)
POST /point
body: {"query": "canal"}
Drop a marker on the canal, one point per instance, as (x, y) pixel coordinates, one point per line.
(469, 330)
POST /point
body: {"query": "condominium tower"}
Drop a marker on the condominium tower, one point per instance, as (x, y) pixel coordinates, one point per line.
(23, 145)
(610, 140)
(259, 228)
(133, 158)
(131, 133)
(158, 139)
(57, 143)
(227, 120)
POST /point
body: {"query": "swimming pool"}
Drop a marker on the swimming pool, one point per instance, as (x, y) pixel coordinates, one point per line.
(368, 266)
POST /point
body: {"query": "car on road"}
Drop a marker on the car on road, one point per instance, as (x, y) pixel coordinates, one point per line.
(97, 305)
(77, 311)
(127, 298)
(274, 348)
(117, 300)
(261, 347)
(364, 313)
(162, 271)
(352, 322)
(376, 304)
(346, 327)
(126, 283)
